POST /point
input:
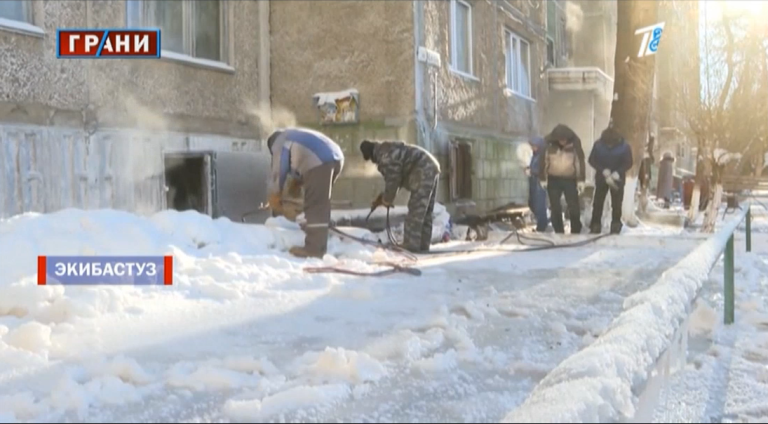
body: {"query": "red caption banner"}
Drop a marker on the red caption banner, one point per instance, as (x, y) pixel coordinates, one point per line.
(108, 43)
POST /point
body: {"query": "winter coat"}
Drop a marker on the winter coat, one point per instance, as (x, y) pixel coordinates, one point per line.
(404, 166)
(666, 177)
(562, 161)
(535, 164)
(611, 152)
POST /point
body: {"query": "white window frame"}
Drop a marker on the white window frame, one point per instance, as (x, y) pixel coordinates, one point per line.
(187, 57)
(509, 55)
(454, 66)
(27, 26)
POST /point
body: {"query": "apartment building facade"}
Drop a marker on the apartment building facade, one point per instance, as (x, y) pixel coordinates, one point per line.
(466, 79)
(470, 80)
(121, 133)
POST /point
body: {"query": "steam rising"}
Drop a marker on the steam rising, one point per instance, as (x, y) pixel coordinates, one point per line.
(271, 119)
(574, 17)
(132, 165)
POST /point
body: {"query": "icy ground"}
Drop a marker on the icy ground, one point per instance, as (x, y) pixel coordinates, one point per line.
(245, 335)
(726, 378)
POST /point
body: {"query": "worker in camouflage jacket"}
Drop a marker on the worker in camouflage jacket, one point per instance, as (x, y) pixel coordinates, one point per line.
(562, 172)
(414, 169)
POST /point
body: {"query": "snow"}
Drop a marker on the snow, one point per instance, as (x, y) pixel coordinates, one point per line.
(332, 97)
(597, 383)
(245, 334)
(726, 377)
(440, 221)
(723, 156)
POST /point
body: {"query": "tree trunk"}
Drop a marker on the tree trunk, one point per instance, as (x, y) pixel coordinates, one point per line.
(633, 88)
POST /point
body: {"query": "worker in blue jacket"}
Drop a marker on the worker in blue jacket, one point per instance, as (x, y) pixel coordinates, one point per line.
(611, 157)
(537, 196)
(317, 161)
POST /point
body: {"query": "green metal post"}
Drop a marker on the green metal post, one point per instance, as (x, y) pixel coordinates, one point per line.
(729, 291)
(749, 229)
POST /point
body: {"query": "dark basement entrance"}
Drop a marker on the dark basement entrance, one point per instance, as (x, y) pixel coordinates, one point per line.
(187, 182)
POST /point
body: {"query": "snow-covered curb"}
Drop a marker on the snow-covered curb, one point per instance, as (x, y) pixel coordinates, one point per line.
(603, 382)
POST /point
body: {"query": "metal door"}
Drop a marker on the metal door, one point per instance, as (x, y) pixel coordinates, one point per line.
(240, 182)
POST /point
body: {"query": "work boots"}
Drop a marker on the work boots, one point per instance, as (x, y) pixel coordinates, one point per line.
(595, 229)
(302, 252)
(616, 227)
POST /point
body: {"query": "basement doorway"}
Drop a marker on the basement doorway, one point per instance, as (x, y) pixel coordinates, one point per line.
(188, 181)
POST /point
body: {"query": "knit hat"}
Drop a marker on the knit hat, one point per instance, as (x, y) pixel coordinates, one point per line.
(272, 138)
(366, 148)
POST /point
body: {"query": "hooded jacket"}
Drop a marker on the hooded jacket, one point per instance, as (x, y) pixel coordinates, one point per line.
(562, 161)
(611, 152)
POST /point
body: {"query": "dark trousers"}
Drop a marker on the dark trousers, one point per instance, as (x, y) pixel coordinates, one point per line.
(537, 202)
(556, 188)
(418, 222)
(617, 197)
(318, 186)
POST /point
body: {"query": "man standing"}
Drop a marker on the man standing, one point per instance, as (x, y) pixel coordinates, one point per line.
(666, 178)
(611, 157)
(537, 196)
(317, 161)
(414, 169)
(562, 172)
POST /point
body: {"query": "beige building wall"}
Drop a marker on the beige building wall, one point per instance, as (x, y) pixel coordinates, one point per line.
(90, 133)
(329, 46)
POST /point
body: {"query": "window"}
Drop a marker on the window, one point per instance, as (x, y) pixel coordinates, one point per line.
(461, 37)
(564, 45)
(16, 10)
(551, 19)
(550, 51)
(518, 57)
(195, 28)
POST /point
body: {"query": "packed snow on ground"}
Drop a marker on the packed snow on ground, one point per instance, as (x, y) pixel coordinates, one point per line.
(598, 383)
(726, 378)
(244, 334)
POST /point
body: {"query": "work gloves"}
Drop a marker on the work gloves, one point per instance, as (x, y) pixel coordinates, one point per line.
(294, 187)
(580, 187)
(275, 203)
(543, 184)
(379, 201)
(611, 178)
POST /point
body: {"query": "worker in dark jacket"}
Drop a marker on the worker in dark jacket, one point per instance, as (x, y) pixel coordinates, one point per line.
(316, 160)
(562, 172)
(537, 196)
(611, 157)
(414, 169)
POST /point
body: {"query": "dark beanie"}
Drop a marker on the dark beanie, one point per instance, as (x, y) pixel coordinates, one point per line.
(272, 138)
(366, 147)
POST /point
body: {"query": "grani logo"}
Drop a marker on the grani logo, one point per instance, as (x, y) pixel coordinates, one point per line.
(653, 33)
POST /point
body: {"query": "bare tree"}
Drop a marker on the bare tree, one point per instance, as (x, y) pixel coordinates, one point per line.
(730, 113)
(633, 88)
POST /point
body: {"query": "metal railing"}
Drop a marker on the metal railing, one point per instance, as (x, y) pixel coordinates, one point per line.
(729, 264)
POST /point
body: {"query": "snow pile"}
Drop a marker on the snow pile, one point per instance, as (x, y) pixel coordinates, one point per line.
(440, 219)
(597, 384)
